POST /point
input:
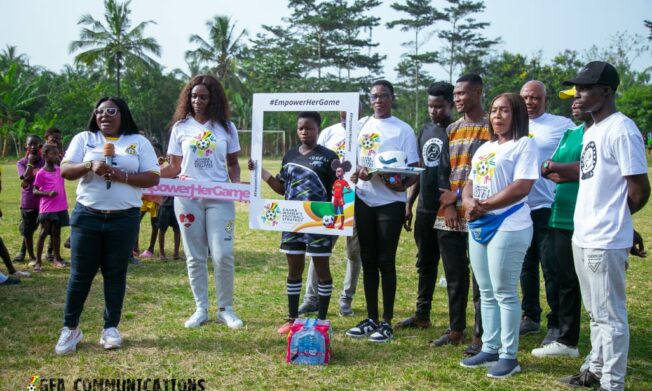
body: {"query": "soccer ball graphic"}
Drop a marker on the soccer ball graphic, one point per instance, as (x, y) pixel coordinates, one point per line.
(328, 221)
(367, 143)
(483, 168)
(203, 144)
(31, 387)
(270, 215)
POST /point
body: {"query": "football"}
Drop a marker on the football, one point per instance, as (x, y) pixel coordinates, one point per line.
(203, 144)
(328, 221)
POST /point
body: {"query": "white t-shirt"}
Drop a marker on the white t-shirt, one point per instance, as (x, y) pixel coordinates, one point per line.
(496, 166)
(334, 138)
(611, 150)
(133, 154)
(204, 148)
(376, 136)
(546, 131)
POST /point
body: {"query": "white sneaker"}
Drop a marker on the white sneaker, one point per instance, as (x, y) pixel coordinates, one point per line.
(111, 338)
(197, 319)
(68, 340)
(555, 349)
(229, 317)
(20, 273)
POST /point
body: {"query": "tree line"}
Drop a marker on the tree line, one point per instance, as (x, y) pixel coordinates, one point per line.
(319, 46)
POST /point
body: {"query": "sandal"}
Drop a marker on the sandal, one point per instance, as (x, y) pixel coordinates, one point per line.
(472, 349)
(59, 264)
(37, 269)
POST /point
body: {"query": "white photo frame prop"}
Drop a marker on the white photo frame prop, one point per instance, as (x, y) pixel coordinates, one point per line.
(302, 216)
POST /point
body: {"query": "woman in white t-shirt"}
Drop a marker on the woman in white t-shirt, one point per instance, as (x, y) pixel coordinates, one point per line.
(204, 146)
(503, 171)
(380, 210)
(104, 222)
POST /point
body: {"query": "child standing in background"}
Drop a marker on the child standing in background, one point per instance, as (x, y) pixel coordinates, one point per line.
(29, 203)
(4, 254)
(150, 205)
(53, 208)
(166, 218)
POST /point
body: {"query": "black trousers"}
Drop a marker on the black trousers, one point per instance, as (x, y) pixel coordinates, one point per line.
(454, 247)
(379, 229)
(542, 250)
(425, 236)
(570, 297)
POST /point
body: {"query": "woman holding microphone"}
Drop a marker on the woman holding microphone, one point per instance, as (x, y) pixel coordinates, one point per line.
(104, 222)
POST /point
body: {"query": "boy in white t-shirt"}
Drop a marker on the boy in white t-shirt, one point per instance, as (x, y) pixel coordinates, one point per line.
(613, 186)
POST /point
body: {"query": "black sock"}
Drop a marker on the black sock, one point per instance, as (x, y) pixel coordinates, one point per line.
(324, 290)
(294, 291)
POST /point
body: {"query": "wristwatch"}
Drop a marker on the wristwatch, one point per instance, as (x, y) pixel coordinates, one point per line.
(88, 165)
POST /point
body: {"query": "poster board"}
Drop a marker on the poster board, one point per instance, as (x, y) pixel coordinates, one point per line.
(301, 216)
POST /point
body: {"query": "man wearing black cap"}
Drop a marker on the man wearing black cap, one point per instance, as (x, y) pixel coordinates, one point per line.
(613, 186)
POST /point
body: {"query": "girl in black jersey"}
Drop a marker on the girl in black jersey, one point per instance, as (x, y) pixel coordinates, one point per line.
(306, 175)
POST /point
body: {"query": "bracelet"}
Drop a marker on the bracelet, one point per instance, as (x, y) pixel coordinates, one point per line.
(459, 193)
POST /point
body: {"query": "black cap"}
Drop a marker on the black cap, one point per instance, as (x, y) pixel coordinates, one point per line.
(596, 72)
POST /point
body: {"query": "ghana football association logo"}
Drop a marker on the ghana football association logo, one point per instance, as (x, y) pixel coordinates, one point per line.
(271, 214)
(203, 144)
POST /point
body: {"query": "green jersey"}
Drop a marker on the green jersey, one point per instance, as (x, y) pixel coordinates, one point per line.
(563, 208)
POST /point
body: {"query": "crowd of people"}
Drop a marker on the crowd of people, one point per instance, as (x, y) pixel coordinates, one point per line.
(503, 193)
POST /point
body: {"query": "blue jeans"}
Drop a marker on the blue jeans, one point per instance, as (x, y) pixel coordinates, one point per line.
(99, 241)
(497, 267)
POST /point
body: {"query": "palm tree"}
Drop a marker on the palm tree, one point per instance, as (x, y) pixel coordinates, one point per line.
(222, 49)
(114, 44)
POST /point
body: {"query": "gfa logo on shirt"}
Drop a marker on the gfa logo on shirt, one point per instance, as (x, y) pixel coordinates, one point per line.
(203, 144)
(589, 160)
(431, 152)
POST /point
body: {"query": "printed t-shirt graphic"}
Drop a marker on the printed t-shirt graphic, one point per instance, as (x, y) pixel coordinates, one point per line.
(308, 177)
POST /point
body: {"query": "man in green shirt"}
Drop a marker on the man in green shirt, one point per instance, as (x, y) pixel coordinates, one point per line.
(563, 169)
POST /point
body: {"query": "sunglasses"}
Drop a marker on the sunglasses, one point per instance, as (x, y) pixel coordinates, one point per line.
(110, 111)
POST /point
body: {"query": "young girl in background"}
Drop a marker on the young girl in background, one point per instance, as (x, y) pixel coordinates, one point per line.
(53, 207)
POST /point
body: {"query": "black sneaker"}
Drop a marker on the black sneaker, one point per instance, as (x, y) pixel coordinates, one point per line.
(384, 333)
(307, 307)
(585, 378)
(363, 329)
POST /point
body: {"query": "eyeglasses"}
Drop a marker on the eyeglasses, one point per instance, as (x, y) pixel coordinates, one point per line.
(110, 111)
(374, 98)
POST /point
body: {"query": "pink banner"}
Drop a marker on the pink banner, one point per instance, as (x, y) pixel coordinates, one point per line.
(224, 191)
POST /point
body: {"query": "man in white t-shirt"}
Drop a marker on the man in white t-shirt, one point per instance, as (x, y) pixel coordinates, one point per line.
(613, 186)
(334, 138)
(546, 130)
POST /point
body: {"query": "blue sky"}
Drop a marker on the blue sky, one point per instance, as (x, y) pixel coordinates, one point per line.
(43, 29)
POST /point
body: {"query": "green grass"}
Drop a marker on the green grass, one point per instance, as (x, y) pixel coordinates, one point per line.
(159, 300)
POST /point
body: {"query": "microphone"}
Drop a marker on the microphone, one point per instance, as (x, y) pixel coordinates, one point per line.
(109, 153)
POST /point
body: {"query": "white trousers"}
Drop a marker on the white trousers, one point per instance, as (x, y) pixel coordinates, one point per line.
(208, 225)
(601, 274)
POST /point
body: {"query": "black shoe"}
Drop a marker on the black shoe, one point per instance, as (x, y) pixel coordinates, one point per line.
(528, 326)
(414, 322)
(448, 338)
(362, 329)
(473, 349)
(384, 333)
(307, 307)
(583, 379)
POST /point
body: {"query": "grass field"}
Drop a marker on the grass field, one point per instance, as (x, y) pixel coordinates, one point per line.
(159, 300)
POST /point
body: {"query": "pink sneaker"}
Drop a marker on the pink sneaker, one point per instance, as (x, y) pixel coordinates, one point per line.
(285, 328)
(146, 254)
